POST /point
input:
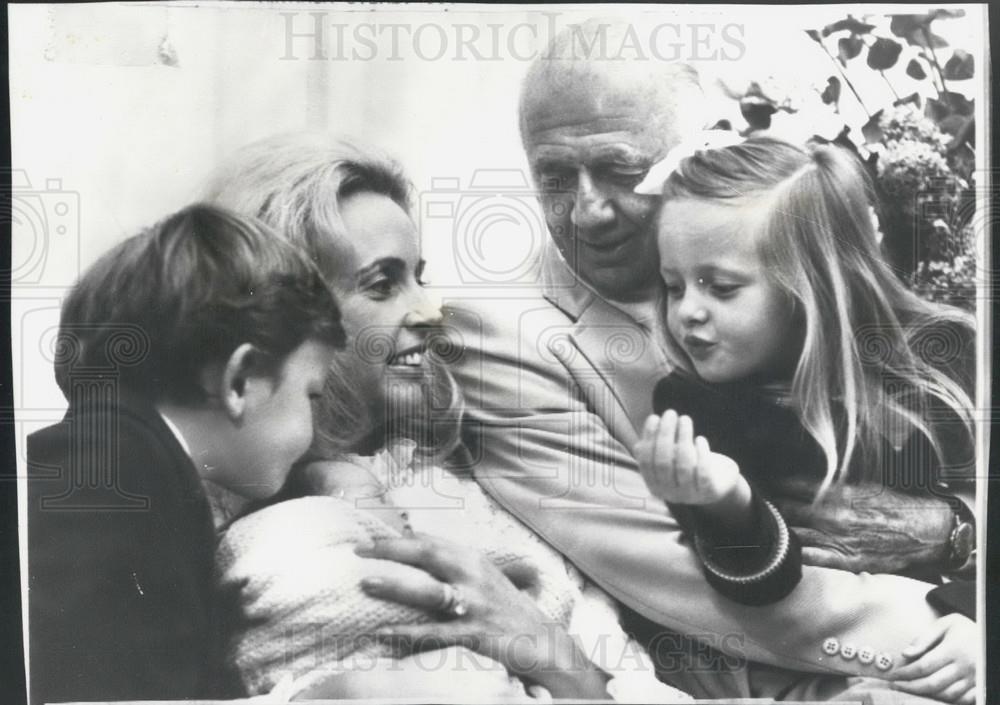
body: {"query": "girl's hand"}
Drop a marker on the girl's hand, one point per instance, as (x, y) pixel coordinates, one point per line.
(943, 662)
(489, 614)
(682, 469)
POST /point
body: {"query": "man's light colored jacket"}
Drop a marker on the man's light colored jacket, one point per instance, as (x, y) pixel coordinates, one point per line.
(557, 384)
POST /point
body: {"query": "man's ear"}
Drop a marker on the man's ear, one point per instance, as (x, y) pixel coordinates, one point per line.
(235, 383)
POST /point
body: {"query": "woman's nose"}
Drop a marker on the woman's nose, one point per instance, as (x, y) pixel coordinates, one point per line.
(423, 311)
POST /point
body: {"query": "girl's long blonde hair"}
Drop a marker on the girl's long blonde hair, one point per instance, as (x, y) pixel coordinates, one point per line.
(295, 182)
(875, 356)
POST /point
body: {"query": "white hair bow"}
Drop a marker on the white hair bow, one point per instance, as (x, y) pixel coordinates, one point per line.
(658, 174)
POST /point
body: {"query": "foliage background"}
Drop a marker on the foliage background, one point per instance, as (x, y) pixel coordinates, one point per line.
(917, 137)
(125, 108)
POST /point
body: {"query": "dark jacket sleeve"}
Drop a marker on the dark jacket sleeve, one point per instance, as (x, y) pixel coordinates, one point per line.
(958, 596)
(756, 568)
(119, 603)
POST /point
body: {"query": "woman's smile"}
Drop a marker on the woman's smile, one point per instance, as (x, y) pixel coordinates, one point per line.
(408, 359)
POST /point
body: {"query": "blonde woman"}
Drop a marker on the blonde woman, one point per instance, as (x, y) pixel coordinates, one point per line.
(395, 558)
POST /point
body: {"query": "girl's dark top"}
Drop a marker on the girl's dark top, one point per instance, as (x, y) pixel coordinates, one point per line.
(757, 568)
(770, 444)
(120, 560)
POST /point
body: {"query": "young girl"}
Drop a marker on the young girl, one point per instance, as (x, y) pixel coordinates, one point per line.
(804, 353)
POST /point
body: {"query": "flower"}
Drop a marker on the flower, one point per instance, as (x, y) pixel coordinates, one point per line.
(906, 123)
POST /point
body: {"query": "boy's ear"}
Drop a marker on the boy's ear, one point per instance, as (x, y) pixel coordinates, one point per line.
(237, 373)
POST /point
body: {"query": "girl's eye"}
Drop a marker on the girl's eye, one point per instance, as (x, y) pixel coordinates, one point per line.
(674, 290)
(724, 290)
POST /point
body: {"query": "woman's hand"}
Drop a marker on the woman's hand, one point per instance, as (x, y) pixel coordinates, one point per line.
(482, 609)
(680, 468)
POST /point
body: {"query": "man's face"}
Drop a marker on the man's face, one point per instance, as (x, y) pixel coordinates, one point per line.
(587, 152)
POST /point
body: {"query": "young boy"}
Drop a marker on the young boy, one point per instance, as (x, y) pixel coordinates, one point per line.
(191, 355)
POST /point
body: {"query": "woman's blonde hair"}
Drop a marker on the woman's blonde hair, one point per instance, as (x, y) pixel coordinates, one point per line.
(875, 356)
(296, 182)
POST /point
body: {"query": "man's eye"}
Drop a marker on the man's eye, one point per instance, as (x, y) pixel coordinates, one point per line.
(673, 290)
(625, 174)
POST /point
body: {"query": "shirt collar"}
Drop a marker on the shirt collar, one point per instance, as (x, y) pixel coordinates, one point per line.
(569, 292)
(177, 433)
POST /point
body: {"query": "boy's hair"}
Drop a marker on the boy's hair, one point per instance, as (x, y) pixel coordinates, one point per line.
(295, 182)
(188, 291)
(875, 355)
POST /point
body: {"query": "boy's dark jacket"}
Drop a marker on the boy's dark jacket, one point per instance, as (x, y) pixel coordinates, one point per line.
(120, 560)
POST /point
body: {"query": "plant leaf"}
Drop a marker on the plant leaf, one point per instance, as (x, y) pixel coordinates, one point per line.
(905, 25)
(849, 47)
(950, 103)
(915, 70)
(814, 35)
(850, 24)
(960, 66)
(884, 54)
(965, 134)
(831, 94)
(952, 124)
(958, 103)
(937, 110)
(945, 14)
(872, 130)
(757, 111)
(915, 29)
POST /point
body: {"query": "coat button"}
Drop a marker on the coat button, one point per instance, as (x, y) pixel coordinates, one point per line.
(848, 651)
(883, 662)
(831, 646)
(866, 655)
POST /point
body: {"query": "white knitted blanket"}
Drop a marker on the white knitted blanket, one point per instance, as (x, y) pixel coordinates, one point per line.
(290, 581)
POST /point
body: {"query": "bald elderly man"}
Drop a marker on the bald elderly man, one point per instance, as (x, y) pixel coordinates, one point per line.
(558, 382)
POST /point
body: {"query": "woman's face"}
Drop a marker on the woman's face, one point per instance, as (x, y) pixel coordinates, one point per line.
(386, 312)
